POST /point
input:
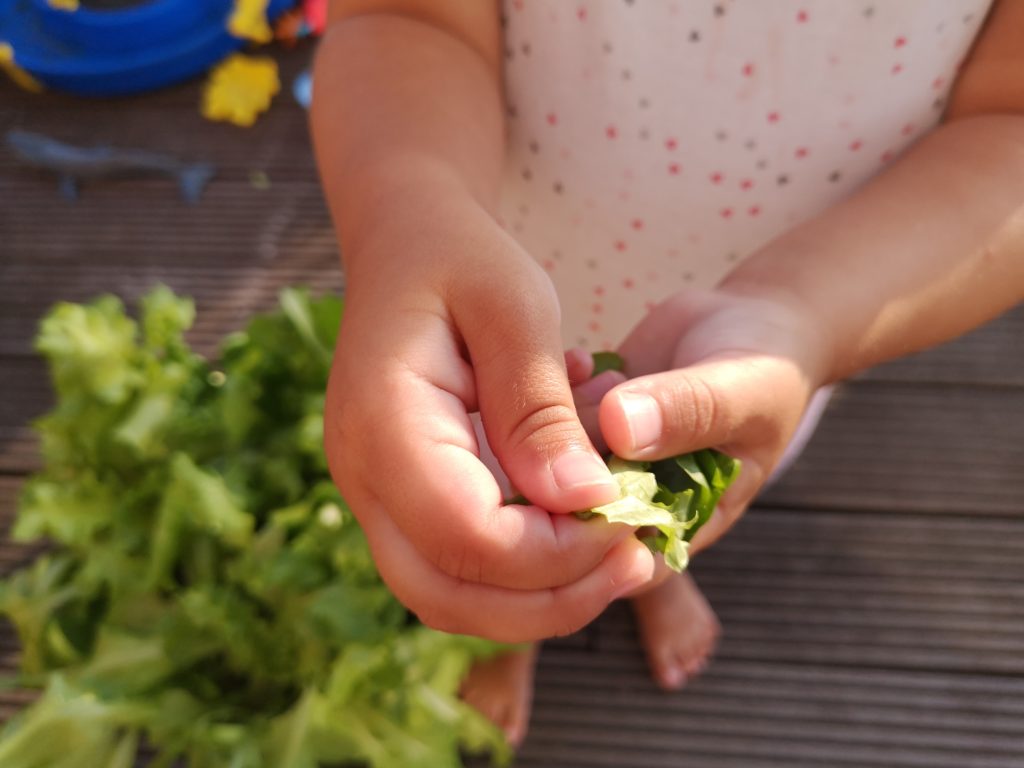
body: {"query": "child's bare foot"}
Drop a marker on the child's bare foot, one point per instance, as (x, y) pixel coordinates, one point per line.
(502, 689)
(678, 630)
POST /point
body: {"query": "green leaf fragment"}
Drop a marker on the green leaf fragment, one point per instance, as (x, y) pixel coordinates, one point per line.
(676, 496)
(608, 361)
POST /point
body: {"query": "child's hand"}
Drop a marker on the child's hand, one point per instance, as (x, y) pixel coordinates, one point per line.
(712, 369)
(438, 323)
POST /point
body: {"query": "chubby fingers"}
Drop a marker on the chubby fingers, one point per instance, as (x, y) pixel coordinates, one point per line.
(450, 604)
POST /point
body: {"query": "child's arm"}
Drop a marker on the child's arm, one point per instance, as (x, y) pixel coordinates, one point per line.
(445, 312)
(931, 248)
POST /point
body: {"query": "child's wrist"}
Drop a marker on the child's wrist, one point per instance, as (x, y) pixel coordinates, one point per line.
(811, 342)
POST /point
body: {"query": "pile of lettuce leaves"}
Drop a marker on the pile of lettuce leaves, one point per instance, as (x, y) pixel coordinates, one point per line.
(206, 599)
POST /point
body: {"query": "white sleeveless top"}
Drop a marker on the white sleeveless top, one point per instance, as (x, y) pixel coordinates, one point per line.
(653, 144)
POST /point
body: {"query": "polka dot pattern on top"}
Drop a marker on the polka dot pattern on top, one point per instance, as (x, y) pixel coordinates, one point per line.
(655, 144)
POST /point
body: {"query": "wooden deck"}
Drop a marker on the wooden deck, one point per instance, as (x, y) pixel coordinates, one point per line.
(872, 603)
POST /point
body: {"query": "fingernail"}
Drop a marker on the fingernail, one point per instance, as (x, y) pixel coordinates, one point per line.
(643, 418)
(580, 469)
(630, 586)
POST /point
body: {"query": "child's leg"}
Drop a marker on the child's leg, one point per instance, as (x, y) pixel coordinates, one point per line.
(678, 629)
(502, 689)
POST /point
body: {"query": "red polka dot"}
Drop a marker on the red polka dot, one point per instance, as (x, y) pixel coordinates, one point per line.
(517, 4)
(886, 157)
(652, 275)
(774, 117)
(747, 184)
(620, 245)
(717, 177)
(649, 305)
(552, 118)
(628, 282)
(754, 210)
(748, 69)
(599, 290)
(581, 13)
(594, 326)
(908, 129)
(938, 82)
(549, 265)
(674, 168)
(801, 152)
(637, 223)
(611, 132)
(802, 17)
(899, 42)
(897, 68)
(597, 308)
(671, 143)
(725, 213)
(855, 145)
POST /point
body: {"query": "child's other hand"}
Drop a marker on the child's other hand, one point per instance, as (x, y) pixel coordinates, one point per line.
(438, 323)
(713, 369)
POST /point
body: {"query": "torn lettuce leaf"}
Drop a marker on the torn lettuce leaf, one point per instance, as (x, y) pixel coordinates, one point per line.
(674, 496)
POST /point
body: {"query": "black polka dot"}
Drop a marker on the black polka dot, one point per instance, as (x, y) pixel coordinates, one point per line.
(645, 103)
(750, 144)
(762, 164)
(607, 47)
(591, 263)
(513, 113)
(525, 48)
(688, 276)
(869, 11)
(644, 134)
(534, 146)
(558, 188)
(627, 75)
(939, 104)
(694, 36)
(782, 179)
(524, 209)
(719, 10)
(835, 176)
(527, 174)
(721, 135)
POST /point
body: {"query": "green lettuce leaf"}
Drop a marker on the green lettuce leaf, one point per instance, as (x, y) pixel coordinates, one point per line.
(207, 591)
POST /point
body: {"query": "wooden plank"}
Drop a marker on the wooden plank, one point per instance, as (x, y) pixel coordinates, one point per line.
(226, 297)
(600, 708)
(166, 121)
(992, 355)
(912, 448)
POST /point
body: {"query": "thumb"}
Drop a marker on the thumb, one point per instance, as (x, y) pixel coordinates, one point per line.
(743, 403)
(527, 408)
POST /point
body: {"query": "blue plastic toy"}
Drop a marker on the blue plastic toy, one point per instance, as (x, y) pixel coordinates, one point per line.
(120, 50)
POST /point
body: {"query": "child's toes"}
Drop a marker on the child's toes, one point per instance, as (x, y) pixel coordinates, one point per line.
(678, 629)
